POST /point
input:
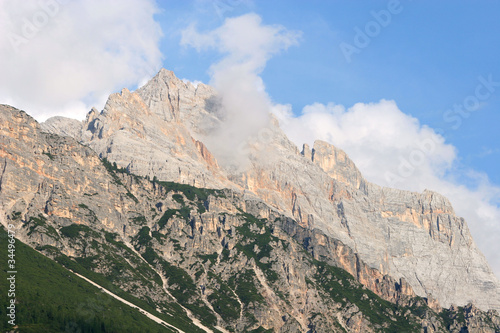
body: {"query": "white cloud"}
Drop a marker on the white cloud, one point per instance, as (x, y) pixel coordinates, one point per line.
(62, 57)
(247, 44)
(390, 147)
(195, 83)
(393, 149)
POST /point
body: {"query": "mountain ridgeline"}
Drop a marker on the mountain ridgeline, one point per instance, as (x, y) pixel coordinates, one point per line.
(134, 199)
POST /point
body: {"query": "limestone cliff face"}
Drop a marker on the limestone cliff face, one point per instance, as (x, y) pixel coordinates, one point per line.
(414, 238)
(51, 185)
(235, 261)
(176, 101)
(41, 170)
(129, 133)
(335, 163)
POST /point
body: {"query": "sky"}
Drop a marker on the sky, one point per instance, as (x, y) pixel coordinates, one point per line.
(409, 89)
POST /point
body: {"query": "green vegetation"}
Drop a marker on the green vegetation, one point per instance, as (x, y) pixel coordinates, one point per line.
(150, 255)
(223, 300)
(139, 219)
(125, 252)
(190, 192)
(244, 286)
(39, 224)
(16, 216)
(180, 283)
(89, 213)
(342, 288)
(184, 212)
(183, 288)
(120, 263)
(177, 246)
(120, 267)
(260, 240)
(261, 330)
(49, 155)
(212, 257)
(48, 249)
(120, 273)
(52, 299)
(335, 321)
(179, 198)
(169, 213)
(448, 317)
(143, 238)
(194, 194)
(112, 170)
(159, 237)
(111, 238)
(131, 196)
(112, 167)
(73, 231)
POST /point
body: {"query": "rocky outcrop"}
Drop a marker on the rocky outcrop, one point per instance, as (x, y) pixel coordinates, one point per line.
(413, 237)
(64, 127)
(336, 164)
(129, 133)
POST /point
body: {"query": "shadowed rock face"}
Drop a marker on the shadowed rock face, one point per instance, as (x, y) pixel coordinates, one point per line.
(159, 131)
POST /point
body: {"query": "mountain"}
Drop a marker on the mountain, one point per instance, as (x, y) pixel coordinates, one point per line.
(137, 199)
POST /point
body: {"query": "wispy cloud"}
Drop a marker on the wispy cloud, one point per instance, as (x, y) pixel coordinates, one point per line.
(61, 57)
(485, 151)
(246, 45)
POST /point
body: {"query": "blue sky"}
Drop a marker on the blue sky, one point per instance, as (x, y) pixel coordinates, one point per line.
(396, 105)
(427, 59)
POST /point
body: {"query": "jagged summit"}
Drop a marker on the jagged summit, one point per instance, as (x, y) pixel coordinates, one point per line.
(159, 130)
(175, 100)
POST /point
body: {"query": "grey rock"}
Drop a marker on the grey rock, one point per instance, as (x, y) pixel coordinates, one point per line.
(416, 237)
(232, 238)
(63, 126)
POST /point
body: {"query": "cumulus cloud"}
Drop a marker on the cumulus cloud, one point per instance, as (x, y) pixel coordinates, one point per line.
(62, 57)
(390, 147)
(246, 45)
(393, 149)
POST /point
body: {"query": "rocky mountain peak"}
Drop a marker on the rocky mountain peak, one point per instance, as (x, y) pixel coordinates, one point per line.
(172, 99)
(336, 164)
(159, 130)
(91, 115)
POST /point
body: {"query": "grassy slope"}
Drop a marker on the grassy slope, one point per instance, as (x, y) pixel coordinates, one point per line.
(52, 299)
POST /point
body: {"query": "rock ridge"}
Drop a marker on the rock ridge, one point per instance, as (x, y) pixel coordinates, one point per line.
(205, 249)
(158, 131)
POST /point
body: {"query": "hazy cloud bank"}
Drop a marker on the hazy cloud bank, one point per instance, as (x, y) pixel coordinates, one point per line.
(393, 149)
(62, 57)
